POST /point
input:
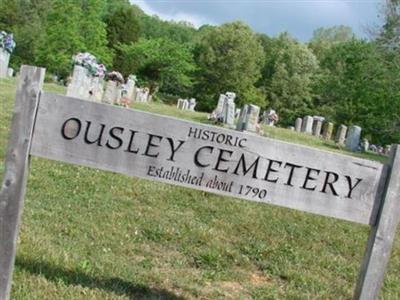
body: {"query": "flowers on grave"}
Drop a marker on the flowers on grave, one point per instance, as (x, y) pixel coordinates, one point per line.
(89, 62)
(7, 41)
(115, 76)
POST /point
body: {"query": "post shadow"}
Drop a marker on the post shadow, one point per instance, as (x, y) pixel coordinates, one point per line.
(74, 277)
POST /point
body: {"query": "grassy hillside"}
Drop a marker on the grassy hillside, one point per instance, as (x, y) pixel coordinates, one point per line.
(88, 234)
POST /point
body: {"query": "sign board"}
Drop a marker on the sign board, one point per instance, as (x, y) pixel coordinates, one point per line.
(196, 156)
(205, 157)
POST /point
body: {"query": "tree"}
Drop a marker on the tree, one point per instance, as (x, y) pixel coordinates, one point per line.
(123, 27)
(62, 38)
(25, 19)
(230, 58)
(161, 63)
(93, 29)
(324, 38)
(287, 77)
(356, 88)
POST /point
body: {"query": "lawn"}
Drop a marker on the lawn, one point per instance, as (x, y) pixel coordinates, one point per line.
(89, 234)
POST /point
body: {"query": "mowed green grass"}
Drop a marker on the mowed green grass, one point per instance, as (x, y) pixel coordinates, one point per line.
(89, 234)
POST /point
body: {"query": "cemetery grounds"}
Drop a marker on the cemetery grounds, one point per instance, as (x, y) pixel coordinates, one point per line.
(89, 234)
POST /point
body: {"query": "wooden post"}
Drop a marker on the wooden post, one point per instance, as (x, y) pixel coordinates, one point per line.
(16, 170)
(382, 234)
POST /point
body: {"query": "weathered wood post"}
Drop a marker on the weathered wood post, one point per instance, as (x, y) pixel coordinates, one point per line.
(13, 188)
(382, 234)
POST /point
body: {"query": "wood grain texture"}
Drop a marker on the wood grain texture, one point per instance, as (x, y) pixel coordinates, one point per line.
(382, 235)
(48, 142)
(16, 170)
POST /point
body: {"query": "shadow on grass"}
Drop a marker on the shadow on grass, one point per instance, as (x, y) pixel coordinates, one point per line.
(74, 277)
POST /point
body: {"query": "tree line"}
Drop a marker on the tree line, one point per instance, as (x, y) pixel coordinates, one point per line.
(344, 78)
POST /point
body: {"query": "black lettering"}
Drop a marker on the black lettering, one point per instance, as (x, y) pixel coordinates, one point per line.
(242, 162)
(65, 129)
(330, 183)
(292, 167)
(222, 159)
(196, 156)
(309, 178)
(270, 169)
(352, 187)
(129, 149)
(151, 145)
(119, 140)
(173, 149)
(241, 143)
(99, 137)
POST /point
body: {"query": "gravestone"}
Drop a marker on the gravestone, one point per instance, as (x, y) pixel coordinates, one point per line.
(228, 113)
(251, 123)
(185, 104)
(96, 89)
(341, 135)
(327, 130)
(291, 128)
(130, 87)
(353, 138)
(220, 105)
(387, 150)
(4, 60)
(192, 104)
(317, 125)
(270, 117)
(111, 93)
(179, 103)
(237, 113)
(10, 72)
(307, 124)
(242, 118)
(80, 84)
(365, 145)
(298, 124)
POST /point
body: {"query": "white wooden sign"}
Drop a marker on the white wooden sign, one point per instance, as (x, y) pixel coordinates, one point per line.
(197, 156)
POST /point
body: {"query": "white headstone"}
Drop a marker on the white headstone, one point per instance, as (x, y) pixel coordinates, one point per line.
(111, 93)
(253, 113)
(341, 134)
(297, 125)
(80, 84)
(10, 72)
(307, 124)
(220, 106)
(317, 127)
(185, 104)
(130, 88)
(353, 138)
(192, 104)
(97, 89)
(229, 112)
(4, 60)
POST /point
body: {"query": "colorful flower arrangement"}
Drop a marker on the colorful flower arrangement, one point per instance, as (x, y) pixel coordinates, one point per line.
(115, 76)
(89, 62)
(7, 41)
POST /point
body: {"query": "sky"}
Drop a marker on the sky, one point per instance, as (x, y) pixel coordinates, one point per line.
(299, 17)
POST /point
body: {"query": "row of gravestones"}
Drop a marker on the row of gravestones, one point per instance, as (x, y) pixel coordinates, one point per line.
(226, 113)
(185, 104)
(85, 86)
(317, 127)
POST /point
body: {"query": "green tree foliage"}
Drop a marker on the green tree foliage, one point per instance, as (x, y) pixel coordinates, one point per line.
(356, 88)
(230, 58)
(154, 27)
(324, 38)
(25, 19)
(287, 77)
(93, 29)
(163, 64)
(62, 37)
